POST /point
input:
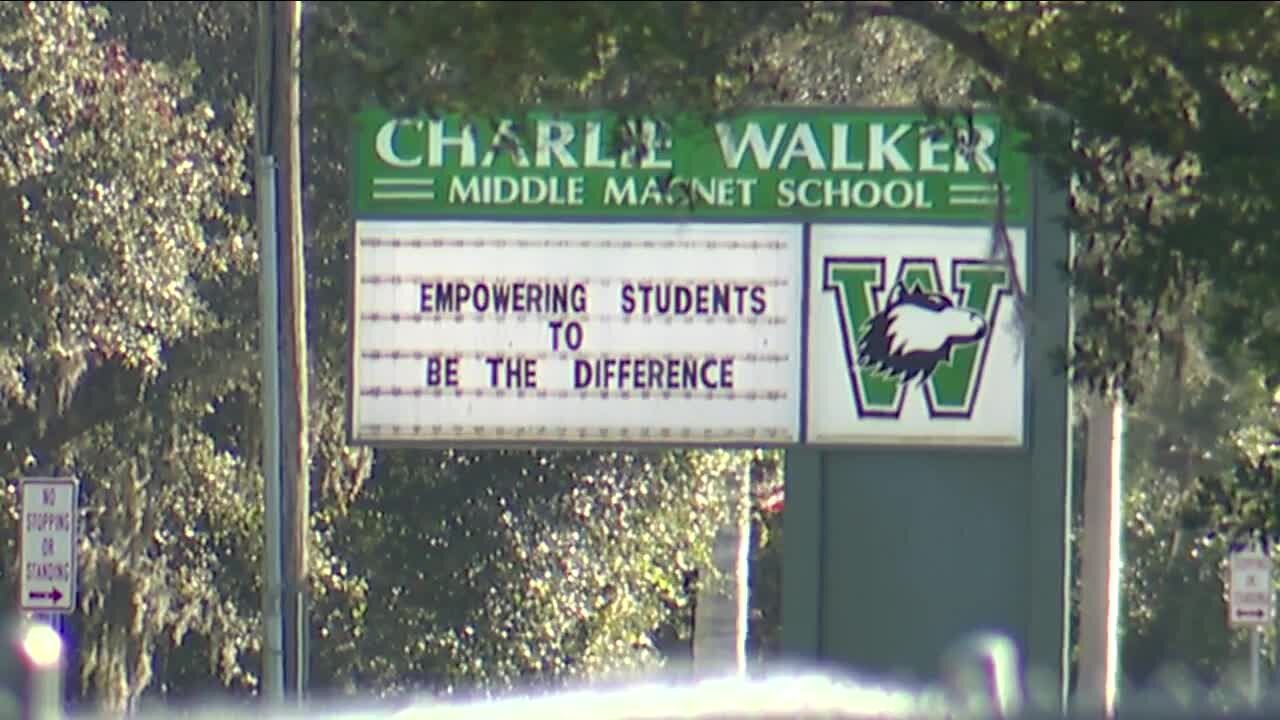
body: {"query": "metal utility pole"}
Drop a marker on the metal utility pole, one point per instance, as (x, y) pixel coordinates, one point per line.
(286, 459)
(295, 455)
(265, 188)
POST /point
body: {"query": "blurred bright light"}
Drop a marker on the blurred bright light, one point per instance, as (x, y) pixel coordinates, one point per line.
(42, 645)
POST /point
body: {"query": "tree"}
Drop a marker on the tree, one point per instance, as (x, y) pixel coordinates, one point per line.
(1162, 138)
(119, 365)
(492, 57)
(489, 570)
(1174, 568)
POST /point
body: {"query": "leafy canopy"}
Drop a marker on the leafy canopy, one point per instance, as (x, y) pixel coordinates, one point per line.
(120, 345)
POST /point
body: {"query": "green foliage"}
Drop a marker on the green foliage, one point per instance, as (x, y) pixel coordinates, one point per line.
(1174, 561)
(120, 342)
(502, 568)
(1164, 109)
(494, 56)
(115, 185)
(873, 62)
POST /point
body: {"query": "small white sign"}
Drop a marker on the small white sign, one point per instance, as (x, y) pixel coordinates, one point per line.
(912, 337)
(48, 558)
(1252, 598)
(542, 332)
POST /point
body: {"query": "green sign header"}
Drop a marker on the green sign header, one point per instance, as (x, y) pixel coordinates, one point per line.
(774, 164)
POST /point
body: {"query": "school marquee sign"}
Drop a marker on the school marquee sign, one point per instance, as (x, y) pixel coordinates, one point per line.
(780, 277)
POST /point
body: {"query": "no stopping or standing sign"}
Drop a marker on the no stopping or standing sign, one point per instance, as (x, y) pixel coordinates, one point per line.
(49, 532)
(1252, 599)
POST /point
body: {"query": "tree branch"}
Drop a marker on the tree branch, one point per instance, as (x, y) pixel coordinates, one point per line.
(1196, 74)
(975, 45)
(1017, 75)
(109, 392)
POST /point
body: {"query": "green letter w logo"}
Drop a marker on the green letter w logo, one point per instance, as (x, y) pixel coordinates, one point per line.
(921, 331)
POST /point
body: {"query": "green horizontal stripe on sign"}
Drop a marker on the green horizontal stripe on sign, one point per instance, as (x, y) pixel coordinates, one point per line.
(795, 164)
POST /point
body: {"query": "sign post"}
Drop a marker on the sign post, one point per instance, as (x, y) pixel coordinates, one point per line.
(48, 549)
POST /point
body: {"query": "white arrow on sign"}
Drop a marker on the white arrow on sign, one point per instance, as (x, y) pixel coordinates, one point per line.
(48, 568)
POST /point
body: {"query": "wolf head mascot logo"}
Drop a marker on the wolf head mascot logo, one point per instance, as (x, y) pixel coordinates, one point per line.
(916, 335)
(915, 332)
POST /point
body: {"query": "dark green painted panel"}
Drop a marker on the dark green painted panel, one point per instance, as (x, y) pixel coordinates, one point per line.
(802, 555)
(919, 550)
(891, 555)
